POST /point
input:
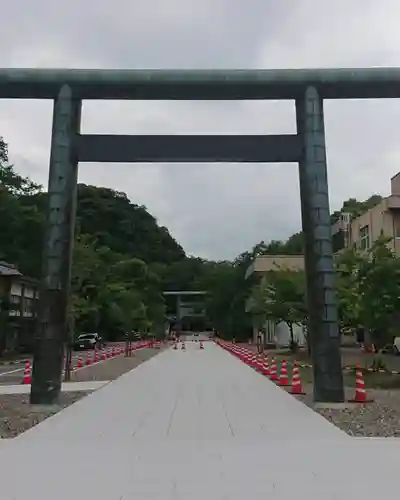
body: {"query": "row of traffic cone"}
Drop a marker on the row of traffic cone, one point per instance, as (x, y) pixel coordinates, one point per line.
(155, 344)
(183, 345)
(261, 364)
(90, 359)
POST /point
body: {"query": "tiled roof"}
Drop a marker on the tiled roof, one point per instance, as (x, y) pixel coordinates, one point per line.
(7, 269)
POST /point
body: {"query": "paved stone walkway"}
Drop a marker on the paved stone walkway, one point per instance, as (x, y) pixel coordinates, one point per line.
(194, 424)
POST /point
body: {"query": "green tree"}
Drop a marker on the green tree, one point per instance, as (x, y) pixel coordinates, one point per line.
(379, 286)
(368, 290)
(125, 308)
(89, 282)
(355, 207)
(280, 297)
(227, 293)
(18, 220)
(10, 180)
(347, 266)
(140, 280)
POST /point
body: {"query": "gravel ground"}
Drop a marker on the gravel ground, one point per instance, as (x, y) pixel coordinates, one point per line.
(380, 418)
(114, 367)
(16, 416)
(15, 413)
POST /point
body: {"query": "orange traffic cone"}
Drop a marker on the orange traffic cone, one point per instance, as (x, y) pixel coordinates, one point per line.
(88, 360)
(296, 381)
(27, 373)
(360, 394)
(95, 356)
(272, 373)
(259, 364)
(283, 377)
(79, 363)
(253, 361)
(103, 355)
(265, 368)
(247, 358)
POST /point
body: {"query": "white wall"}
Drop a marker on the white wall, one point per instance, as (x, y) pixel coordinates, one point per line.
(16, 289)
(280, 334)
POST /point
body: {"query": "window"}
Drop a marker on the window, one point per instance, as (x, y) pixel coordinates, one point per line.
(364, 237)
(29, 305)
(396, 226)
(15, 304)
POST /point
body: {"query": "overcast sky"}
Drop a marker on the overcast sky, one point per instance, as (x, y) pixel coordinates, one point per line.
(213, 210)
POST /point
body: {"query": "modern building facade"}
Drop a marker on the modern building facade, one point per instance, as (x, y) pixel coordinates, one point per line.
(270, 332)
(186, 310)
(382, 219)
(18, 302)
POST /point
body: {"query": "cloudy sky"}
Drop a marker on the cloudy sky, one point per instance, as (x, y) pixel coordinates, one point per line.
(213, 210)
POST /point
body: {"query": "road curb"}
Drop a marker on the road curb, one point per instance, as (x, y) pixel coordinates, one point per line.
(9, 363)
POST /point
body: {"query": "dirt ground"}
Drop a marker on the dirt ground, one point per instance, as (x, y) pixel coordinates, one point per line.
(113, 367)
(16, 416)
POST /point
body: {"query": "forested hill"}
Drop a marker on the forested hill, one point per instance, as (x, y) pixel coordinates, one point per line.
(124, 227)
(103, 214)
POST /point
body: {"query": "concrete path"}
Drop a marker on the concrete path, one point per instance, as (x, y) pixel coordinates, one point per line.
(194, 424)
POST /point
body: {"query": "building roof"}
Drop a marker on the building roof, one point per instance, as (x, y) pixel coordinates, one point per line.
(7, 269)
(265, 263)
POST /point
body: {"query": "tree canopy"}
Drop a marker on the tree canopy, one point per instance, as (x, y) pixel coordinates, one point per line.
(369, 290)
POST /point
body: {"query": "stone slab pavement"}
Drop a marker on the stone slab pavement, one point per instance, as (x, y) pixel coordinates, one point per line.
(194, 424)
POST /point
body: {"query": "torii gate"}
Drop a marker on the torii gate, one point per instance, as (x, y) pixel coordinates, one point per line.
(68, 87)
(181, 297)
